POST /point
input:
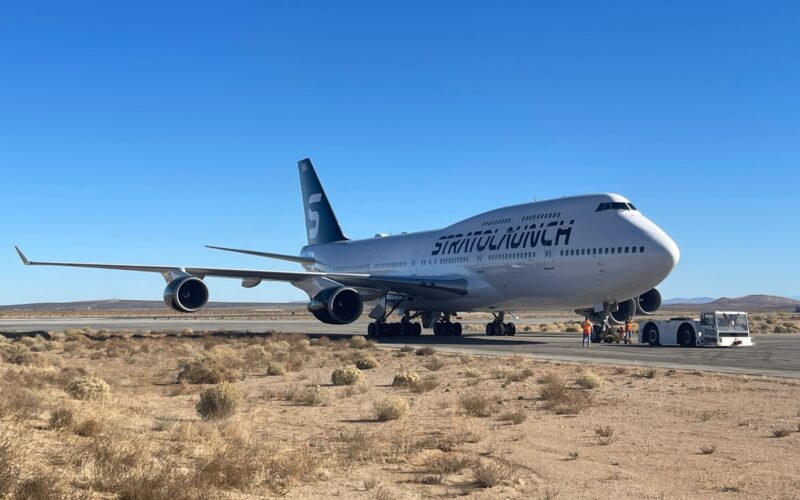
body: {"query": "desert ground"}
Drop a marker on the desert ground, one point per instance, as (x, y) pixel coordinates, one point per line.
(191, 416)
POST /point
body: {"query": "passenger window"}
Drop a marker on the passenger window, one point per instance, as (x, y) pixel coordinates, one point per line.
(626, 249)
(641, 249)
(633, 249)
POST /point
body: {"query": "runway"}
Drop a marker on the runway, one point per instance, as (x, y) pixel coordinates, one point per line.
(773, 355)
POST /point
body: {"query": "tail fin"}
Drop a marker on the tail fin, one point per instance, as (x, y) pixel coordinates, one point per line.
(321, 222)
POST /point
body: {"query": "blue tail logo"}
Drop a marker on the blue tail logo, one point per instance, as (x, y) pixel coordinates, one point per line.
(321, 222)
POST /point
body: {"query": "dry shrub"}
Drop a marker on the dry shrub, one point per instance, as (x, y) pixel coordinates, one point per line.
(589, 380)
(237, 461)
(275, 368)
(708, 450)
(439, 467)
(490, 473)
(367, 362)
(562, 400)
(405, 379)
(90, 427)
(61, 418)
(476, 404)
(290, 466)
(519, 375)
(313, 396)
(357, 444)
(347, 375)
(88, 387)
(472, 373)
(321, 342)
(390, 408)
(359, 342)
(204, 370)
(407, 349)
(17, 354)
(11, 457)
(434, 364)
(20, 403)
(219, 402)
(780, 432)
(516, 417)
(426, 384)
(604, 435)
(426, 351)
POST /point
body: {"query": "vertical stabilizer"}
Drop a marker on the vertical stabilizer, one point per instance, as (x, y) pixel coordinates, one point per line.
(321, 223)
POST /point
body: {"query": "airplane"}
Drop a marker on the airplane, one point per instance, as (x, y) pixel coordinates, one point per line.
(596, 254)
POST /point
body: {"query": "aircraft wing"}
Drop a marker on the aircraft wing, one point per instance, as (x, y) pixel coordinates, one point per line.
(433, 287)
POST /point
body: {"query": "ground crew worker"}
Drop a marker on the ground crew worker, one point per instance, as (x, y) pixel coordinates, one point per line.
(629, 330)
(587, 332)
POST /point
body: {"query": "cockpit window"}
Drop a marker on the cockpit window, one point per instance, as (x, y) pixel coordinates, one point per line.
(615, 205)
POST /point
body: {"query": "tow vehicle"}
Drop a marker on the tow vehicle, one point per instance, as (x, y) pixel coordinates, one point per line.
(712, 329)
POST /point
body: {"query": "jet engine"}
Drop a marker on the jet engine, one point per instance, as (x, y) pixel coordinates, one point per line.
(648, 302)
(624, 311)
(187, 294)
(337, 306)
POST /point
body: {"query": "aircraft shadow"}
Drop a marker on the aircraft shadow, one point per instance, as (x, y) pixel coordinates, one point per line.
(455, 341)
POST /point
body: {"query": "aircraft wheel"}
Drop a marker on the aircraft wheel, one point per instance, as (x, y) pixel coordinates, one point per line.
(511, 329)
(372, 330)
(417, 330)
(500, 329)
(457, 329)
(490, 329)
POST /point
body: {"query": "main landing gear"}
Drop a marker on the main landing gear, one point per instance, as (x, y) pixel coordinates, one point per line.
(497, 327)
(405, 328)
(444, 328)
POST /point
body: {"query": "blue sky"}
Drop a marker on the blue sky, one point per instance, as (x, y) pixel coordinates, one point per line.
(139, 132)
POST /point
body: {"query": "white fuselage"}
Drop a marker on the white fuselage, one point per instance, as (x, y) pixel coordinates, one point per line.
(562, 253)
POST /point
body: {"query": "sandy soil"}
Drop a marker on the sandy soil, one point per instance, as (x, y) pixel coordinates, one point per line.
(641, 434)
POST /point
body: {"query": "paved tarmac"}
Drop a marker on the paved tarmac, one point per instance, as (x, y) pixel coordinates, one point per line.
(773, 355)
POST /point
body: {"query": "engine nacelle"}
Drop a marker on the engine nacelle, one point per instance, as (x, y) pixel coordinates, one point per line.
(337, 306)
(187, 294)
(624, 311)
(648, 302)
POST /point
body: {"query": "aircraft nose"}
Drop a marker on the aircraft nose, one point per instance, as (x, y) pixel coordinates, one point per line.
(665, 250)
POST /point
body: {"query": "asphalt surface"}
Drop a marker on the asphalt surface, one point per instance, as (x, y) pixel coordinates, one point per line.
(773, 355)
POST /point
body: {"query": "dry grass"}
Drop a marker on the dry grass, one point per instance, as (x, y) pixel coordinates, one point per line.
(589, 380)
(561, 399)
(516, 417)
(219, 402)
(434, 363)
(205, 370)
(425, 351)
(390, 408)
(477, 404)
(491, 473)
(291, 435)
(425, 384)
(605, 435)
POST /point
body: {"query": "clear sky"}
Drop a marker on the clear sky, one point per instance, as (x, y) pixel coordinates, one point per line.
(137, 132)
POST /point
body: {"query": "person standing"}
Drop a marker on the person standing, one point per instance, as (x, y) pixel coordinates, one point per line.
(587, 332)
(628, 330)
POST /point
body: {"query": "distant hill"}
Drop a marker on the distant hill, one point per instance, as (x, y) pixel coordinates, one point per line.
(746, 303)
(107, 305)
(693, 300)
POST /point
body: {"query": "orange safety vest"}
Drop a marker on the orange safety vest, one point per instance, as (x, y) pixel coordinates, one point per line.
(587, 328)
(629, 327)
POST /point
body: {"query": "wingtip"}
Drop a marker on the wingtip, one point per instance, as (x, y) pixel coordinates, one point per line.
(22, 256)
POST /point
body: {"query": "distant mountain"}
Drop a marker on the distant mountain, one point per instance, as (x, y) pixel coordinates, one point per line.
(693, 300)
(106, 305)
(746, 303)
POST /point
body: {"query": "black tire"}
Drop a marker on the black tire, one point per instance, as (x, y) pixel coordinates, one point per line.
(417, 331)
(372, 330)
(500, 329)
(597, 334)
(490, 329)
(651, 335)
(457, 329)
(511, 329)
(686, 336)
